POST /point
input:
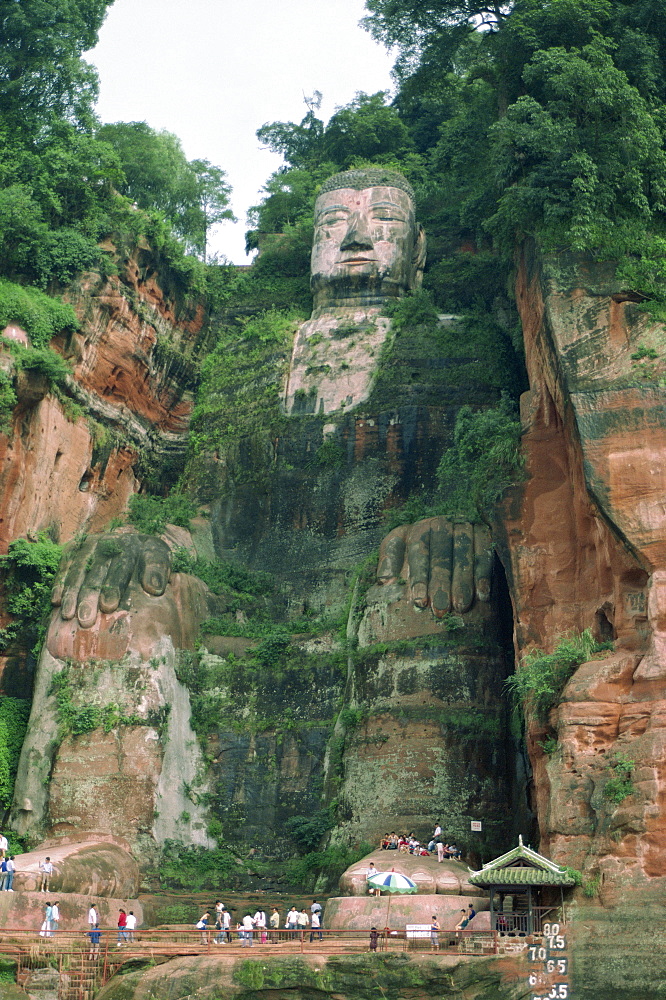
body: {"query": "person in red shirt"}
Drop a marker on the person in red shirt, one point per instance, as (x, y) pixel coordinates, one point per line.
(122, 924)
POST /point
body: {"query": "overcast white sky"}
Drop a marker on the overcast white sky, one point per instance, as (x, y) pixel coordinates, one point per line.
(213, 71)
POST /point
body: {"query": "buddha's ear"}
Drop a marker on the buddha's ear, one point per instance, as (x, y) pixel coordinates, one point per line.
(419, 257)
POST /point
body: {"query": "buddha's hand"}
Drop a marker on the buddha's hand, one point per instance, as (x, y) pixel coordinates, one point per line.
(97, 575)
(445, 564)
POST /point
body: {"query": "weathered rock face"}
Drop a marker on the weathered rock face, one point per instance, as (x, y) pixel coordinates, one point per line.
(129, 776)
(26, 910)
(126, 352)
(66, 475)
(313, 977)
(130, 376)
(95, 867)
(426, 729)
(359, 913)
(585, 547)
(49, 480)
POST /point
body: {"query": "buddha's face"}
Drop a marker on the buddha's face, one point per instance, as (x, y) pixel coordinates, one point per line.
(366, 245)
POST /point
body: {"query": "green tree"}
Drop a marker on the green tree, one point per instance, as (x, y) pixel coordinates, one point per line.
(212, 202)
(365, 129)
(581, 157)
(404, 22)
(157, 175)
(41, 72)
(300, 145)
(192, 197)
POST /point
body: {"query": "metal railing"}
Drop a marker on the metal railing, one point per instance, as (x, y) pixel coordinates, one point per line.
(81, 966)
(520, 922)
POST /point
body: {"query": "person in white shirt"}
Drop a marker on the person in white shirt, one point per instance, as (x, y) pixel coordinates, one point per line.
(260, 924)
(248, 926)
(55, 917)
(292, 921)
(93, 916)
(46, 868)
(4, 845)
(130, 925)
(226, 923)
(315, 925)
(302, 920)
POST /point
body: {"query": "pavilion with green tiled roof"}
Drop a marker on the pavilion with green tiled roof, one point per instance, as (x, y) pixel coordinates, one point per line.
(523, 889)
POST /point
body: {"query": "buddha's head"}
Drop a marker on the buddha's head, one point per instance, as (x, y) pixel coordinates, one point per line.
(367, 245)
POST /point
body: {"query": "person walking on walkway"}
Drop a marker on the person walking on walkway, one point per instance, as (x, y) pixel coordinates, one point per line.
(202, 925)
(122, 924)
(94, 934)
(292, 921)
(260, 924)
(45, 930)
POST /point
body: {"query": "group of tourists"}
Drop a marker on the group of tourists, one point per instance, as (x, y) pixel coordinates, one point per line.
(266, 930)
(411, 845)
(51, 919)
(126, 926)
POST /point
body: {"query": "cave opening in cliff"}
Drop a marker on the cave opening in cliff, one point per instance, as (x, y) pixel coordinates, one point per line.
(604, 629)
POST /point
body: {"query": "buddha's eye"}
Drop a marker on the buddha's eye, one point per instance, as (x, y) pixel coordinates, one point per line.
(330, 218)
(385, 215)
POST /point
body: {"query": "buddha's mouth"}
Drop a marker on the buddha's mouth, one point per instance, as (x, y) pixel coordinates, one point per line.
(358, 260)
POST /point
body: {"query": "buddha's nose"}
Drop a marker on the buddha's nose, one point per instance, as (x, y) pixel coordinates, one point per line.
(358, 235)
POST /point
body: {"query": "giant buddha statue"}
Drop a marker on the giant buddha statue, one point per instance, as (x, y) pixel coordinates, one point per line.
(367, 250)
(122, 617)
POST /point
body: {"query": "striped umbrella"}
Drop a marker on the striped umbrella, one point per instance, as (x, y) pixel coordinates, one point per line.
(391, 882)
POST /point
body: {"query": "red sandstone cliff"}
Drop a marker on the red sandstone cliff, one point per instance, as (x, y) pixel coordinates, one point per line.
(586, 548)
(53, 473)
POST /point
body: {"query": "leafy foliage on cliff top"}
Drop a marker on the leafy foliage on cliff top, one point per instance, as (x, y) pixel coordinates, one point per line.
(67, 184)
(41, 316)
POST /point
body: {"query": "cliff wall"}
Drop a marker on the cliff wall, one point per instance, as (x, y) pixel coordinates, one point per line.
(583, 544)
